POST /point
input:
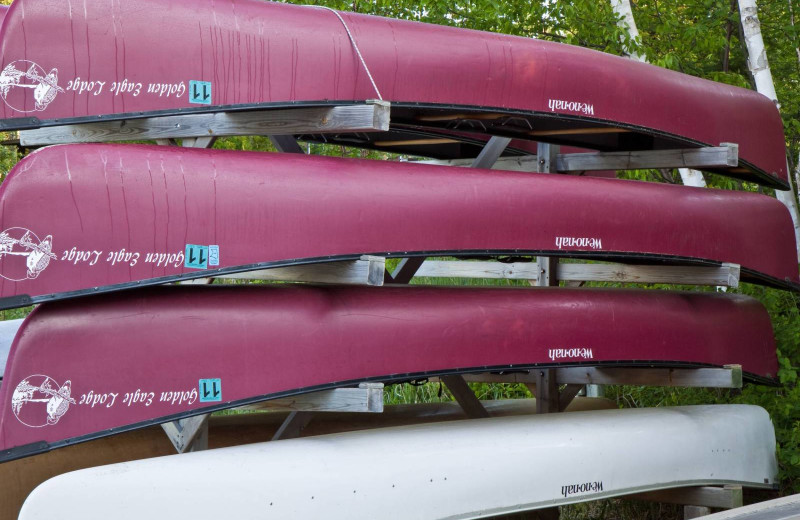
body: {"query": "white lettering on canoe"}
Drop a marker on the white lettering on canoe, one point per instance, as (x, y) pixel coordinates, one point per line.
(167, 89)
(560, 105)
(38, 400)
(81, 86)
(176, 259)
(594, 487)
(579, 242)
(570, 353)
(179, 397)
(122, 256)
(126, 87)
(95, 87)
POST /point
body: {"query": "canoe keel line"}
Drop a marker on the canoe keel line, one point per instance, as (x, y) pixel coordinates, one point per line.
(85, 219)
(437, 79)
(236, 345)
(433, 468)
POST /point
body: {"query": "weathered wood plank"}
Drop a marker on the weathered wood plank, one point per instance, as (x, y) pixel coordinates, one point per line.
(727, 497)
(367, 398)
(727, 377)
(567, 395)
(478, 269)
(724, 156)
(707, 157)
(366, 271)
(547, 397)
(190, 434)
(285, 143)
(373, 116)
(725, 275)
(466, 398)
(548, 158)
(491, 152)
(293, 425)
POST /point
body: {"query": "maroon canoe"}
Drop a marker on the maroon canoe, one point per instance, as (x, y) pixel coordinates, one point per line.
(78, 219)
(69, 62)
(100, 365)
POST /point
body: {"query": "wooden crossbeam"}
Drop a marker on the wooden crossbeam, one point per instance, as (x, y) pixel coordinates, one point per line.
(491, 152)
(190, 434)
(367, 398)
(465, 396)
(368, 270)
(547, 397)
(726, 377)
(723, 156)
(726, 497)
(293, 425)
(369, 117)
(726, 275)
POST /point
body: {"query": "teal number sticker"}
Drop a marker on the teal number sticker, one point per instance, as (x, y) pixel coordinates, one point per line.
(210, 390)
(200, 92)
(196, 257)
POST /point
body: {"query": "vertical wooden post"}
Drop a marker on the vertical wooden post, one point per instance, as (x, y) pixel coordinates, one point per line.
(546, 391)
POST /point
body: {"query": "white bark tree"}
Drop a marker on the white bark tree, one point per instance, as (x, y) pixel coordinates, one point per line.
(623, 9)
(759, 68)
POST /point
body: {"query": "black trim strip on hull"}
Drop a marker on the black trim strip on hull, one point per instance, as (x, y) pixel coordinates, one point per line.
(24, 300)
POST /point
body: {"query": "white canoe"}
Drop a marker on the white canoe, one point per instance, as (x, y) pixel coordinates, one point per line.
(459, 470)
(8, 330)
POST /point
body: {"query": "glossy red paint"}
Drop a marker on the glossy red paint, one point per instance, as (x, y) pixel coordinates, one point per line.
(89, 217)
(117, 361)
(100, 58)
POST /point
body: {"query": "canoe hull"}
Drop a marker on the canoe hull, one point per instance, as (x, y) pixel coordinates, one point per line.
(97, 61)
(468, 469)
(237, 345)
(20, 477)
(82, 219)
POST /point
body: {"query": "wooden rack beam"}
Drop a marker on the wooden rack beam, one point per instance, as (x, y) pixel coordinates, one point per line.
(372, 116)
(726, 497)
(367, 398)
(726, 377)
(190, 434)
(366, 271)
(726, 275)
(724, 156)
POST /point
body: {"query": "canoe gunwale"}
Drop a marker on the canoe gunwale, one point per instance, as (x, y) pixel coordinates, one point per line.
(38, 447)
(23, 300)
(755, 174)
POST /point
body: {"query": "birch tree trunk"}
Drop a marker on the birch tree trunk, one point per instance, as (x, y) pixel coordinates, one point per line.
(623, 9)
(759, 68)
